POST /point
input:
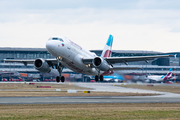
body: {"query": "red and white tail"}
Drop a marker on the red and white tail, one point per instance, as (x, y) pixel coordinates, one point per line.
(169, 75)
(108, 47)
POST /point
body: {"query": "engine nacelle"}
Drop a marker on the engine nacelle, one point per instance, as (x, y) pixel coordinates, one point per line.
(101, 64)
(42, 65)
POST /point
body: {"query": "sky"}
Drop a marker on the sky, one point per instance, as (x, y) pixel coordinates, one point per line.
(151, 25)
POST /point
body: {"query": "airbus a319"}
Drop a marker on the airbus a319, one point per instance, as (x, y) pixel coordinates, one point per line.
(70, 55)
(161, 78)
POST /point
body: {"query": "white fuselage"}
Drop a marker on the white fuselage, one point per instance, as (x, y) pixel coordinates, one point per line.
(71, 55)
(156, 77)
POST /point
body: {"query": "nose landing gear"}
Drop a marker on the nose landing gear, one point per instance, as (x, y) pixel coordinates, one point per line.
(59, 69)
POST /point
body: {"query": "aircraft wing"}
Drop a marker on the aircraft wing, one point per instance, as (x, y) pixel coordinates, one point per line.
(125, 68)
(113, 60)
(31, 61)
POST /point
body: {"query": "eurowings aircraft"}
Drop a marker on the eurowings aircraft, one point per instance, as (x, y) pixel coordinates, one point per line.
(70, 55)
(161, 78)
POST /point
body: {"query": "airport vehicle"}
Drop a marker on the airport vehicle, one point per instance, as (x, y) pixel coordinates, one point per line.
(161, 78)
(70, 55)
(16, 80)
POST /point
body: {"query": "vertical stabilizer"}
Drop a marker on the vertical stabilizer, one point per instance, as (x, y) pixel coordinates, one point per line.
(107, 48)
(169, 75)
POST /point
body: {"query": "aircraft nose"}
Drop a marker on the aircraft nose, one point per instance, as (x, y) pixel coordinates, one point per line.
(49, 45)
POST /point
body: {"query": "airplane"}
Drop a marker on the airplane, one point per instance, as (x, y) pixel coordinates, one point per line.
(115, 77)
(70, 55)
(161, 78)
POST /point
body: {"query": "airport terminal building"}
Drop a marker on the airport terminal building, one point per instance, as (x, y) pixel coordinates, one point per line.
(157, 66)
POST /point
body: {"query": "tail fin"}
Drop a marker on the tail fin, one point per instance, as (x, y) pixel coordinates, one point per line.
(107, 48)
(168, 75)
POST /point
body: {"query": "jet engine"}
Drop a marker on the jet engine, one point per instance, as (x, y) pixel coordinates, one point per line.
(42, 65)
(101, 64)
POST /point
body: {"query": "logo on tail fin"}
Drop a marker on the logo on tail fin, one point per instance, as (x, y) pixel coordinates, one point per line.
(107, 48)
(169, 75)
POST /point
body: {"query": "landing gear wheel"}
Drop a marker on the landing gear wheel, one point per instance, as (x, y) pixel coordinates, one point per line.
(96, 78)
(57, 79)
(101, 78)
(62, 78)
(59, 68)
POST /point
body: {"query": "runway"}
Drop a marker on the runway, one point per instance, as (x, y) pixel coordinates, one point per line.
(81, 100)
(165, 97)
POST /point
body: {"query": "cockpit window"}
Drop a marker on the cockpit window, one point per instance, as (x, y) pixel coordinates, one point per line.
(58, 39)
(55, 38)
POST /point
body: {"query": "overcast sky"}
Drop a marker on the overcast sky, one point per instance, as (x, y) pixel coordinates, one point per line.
(152, 25)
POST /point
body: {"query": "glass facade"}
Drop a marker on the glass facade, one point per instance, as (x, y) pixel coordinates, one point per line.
(155, 66)
(23, 54)
(34, 53)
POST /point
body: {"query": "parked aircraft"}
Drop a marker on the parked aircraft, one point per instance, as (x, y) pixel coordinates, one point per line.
(115, 77)
(70, 55)
(161, 78)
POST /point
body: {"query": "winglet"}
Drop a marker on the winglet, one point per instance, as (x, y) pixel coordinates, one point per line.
(107, 48)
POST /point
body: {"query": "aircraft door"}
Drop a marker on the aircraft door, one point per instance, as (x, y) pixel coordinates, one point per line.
(70, 54)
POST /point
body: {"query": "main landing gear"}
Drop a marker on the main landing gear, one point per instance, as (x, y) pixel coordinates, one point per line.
(97, 77)
(58, 78)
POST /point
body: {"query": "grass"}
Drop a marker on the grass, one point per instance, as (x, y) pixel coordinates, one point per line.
(26, 90)
(163, 88)
(26, 86)
(120, 111)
